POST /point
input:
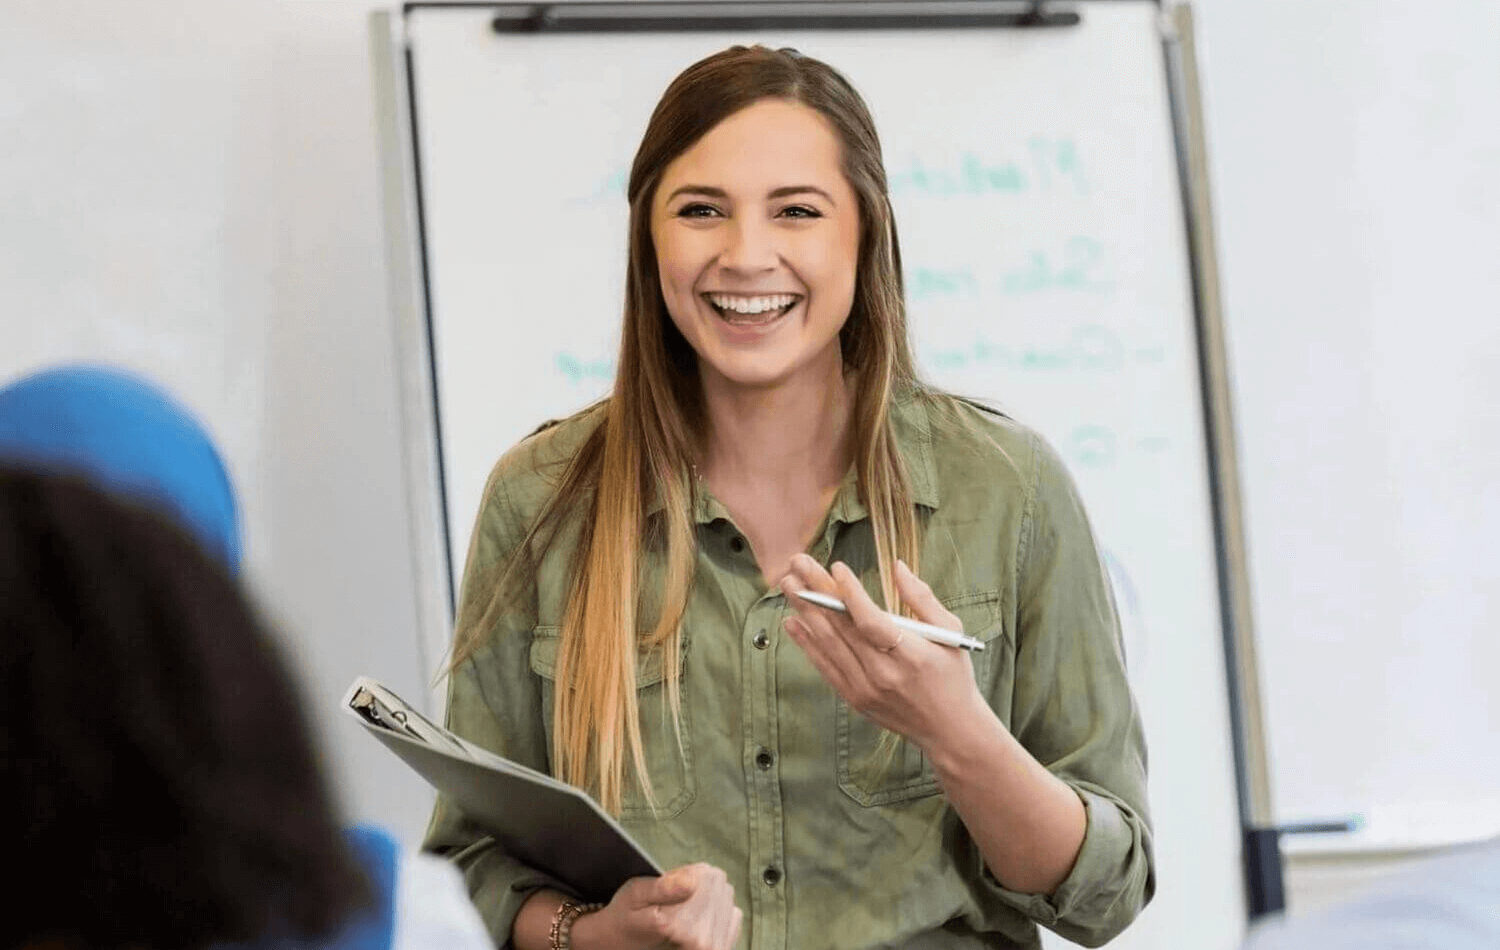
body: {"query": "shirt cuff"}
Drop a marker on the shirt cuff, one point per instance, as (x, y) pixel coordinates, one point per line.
(499, 885)
(1086, 906)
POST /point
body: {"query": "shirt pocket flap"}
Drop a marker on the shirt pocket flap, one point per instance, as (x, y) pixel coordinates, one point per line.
(979, 612)
(545, 642)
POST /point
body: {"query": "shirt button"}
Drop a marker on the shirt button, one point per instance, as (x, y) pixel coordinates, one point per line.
(771, 875)
(737, 544)
(764, 759)
(761, 641)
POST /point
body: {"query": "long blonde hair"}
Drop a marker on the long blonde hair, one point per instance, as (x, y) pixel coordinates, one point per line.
(653, 429)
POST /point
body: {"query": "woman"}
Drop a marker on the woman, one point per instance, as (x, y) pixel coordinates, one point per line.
(626, 589)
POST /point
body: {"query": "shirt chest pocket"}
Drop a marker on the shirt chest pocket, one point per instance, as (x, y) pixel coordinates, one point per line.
(669, 768)
(875, 770)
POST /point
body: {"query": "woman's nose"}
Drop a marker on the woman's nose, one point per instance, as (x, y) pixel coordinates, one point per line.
(750, 247)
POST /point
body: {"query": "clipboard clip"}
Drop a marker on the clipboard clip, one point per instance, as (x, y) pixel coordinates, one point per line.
(389, 713)
(368, 705)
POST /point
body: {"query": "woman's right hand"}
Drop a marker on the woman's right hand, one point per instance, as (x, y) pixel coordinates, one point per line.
(688, 908)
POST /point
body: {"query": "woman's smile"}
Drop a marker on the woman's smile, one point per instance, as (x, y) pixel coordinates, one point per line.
(760, 311)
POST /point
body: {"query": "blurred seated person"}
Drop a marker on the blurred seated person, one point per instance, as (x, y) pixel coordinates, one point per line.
(167, 787)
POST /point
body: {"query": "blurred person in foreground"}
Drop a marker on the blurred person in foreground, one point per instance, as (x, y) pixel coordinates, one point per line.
(162, 791)
(163, 779)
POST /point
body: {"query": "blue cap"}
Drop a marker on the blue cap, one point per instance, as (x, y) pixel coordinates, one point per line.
(127, 436)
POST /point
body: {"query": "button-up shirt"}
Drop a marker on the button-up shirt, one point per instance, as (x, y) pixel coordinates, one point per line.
(776, 780)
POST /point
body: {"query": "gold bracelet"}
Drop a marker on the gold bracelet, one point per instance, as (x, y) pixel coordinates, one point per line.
(561, 937)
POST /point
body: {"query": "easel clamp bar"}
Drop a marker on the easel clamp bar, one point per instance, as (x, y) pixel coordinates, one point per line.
(693, 15)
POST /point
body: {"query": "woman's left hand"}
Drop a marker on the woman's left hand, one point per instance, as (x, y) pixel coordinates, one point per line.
(922, 690)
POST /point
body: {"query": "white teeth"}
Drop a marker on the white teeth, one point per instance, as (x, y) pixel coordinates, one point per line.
(751, 304)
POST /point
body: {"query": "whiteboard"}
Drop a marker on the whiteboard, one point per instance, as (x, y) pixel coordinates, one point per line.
(1043, 234)
(1357, 217)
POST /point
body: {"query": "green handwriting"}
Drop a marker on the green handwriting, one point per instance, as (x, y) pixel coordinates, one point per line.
(579, 371)
(1050, 165)
(1092, 446)
(1077, 266)
(1089, 347)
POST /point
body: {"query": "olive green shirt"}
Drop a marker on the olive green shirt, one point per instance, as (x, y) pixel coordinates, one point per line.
(824, 846)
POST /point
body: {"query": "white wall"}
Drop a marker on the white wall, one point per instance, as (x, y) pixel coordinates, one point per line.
(191, 188)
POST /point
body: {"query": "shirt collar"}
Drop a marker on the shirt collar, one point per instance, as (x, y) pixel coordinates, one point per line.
(913, 436)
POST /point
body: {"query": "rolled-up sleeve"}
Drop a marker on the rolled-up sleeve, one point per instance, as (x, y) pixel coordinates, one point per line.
(495, 702)
(1072, 709)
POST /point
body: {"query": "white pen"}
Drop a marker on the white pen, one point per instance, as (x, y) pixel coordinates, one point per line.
(924, 630)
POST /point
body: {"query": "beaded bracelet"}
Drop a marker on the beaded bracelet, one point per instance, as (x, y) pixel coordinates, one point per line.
(562, 923)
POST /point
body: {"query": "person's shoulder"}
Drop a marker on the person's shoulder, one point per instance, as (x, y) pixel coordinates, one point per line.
(963, 418)
(530, 471)
(554, 442)
(971, 439)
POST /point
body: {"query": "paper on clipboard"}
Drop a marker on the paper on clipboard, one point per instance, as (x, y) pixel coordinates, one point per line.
(547, 824)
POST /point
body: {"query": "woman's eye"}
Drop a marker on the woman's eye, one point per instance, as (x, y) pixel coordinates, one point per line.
(697, 211)
(801, 211)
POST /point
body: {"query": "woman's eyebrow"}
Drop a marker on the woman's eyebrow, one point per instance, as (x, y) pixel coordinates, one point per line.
(786, 191)
(707, 191)
(790, 190)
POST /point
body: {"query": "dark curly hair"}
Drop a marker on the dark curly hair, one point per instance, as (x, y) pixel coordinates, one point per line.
(159, 785)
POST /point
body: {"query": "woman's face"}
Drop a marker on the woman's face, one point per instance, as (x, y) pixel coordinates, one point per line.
(757, 243)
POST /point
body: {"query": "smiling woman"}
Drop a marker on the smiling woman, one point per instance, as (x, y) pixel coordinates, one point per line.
(840, 785)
